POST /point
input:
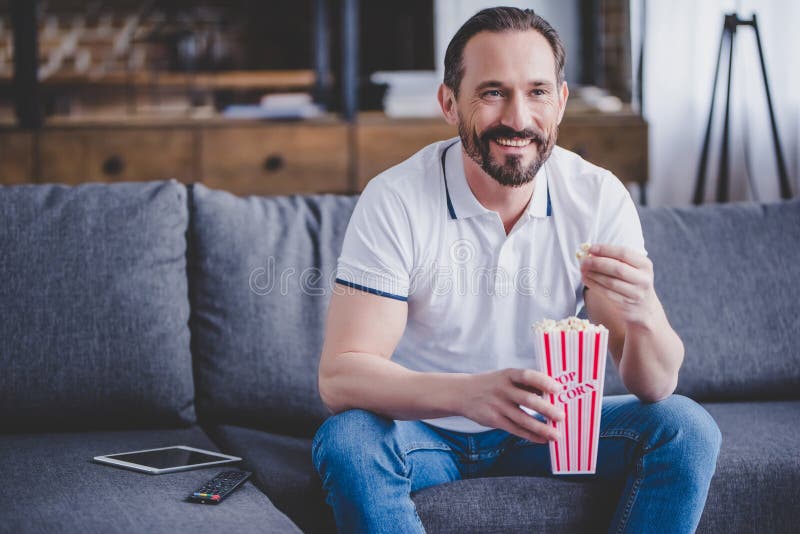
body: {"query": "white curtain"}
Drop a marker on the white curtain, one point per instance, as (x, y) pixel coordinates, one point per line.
(681, 43)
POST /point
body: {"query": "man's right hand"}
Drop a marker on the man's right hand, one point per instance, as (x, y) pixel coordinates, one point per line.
(494, 399)
(356, 371)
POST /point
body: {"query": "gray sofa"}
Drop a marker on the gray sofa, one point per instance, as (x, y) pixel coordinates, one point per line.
(152, 314)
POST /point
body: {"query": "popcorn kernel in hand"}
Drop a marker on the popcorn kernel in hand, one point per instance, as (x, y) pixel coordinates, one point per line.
(583, 251)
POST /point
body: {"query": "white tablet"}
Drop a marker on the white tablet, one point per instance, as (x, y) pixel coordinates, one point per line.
(166, 459)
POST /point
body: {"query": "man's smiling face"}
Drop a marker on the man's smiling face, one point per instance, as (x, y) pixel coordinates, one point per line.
(509, 104)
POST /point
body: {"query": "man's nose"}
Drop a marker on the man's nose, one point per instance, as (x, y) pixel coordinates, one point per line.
(516, 114)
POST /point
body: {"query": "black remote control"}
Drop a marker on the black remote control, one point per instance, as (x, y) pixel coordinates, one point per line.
(216, 489)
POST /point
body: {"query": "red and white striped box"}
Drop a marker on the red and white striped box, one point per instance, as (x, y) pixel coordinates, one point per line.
(575, 356)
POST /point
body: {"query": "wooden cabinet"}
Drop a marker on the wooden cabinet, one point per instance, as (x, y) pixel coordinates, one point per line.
(75, 155)
(16, 157)
(382, 143)
(616, 142)
(277, 159)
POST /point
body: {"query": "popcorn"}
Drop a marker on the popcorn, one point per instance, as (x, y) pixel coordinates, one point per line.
(571, 323)
(583, 251)
(573, 352)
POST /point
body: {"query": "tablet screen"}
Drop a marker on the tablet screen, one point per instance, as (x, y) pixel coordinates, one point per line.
(164, 458)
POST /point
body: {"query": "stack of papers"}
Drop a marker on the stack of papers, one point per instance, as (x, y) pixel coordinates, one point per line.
(277, 106)
(410, 93)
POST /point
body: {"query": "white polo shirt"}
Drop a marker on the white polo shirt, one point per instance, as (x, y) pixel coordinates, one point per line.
(418, 234)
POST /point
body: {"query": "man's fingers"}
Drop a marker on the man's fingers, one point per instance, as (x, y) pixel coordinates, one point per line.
(622, 288)
(528, 378)
(594, 285)
(537, 403)
(528, 427)
(613, 268)
(623, 254)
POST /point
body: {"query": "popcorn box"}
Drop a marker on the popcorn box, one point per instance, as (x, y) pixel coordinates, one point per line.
(576, 358)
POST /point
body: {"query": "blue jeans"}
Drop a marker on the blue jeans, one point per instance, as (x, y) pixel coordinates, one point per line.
(665, 451)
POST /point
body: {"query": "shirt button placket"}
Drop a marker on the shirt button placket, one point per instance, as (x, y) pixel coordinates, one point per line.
(502, 274)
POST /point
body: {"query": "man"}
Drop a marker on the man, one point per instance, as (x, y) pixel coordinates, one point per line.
(449, 259)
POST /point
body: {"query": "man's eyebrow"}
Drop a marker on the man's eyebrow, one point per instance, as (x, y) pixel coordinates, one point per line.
(495, 83)
(487, 84)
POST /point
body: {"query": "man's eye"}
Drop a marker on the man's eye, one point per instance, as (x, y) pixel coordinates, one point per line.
(538, 92)
(492, 93)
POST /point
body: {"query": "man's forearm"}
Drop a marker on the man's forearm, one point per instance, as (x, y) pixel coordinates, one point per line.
(651, 358)
(369, 382)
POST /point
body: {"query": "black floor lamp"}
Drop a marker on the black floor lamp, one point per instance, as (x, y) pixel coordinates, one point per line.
(732, 22)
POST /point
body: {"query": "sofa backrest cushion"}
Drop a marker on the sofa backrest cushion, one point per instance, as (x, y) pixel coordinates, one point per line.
(727, 276)
(94, 307)
(261, 274)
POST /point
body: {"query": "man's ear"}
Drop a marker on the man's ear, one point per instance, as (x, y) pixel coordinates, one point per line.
(563, 94)
(447, 101)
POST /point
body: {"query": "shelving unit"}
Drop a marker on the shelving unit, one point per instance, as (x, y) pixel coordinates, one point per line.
(335, 153)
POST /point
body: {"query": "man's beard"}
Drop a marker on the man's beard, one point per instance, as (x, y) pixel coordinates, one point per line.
(510, 172)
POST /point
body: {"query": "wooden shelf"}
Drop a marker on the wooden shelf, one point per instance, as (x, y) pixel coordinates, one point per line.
(275, 80)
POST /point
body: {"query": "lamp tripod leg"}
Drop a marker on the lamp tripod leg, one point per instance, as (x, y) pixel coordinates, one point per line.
(783, 178)
(700, 183)
(724, 171)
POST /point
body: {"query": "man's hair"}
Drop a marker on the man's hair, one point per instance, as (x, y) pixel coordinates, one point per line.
(498, 20)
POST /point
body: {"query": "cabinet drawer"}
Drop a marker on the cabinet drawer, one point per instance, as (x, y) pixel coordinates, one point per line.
(276, 159)
(110, 155)
(381, 146)
(16, 157)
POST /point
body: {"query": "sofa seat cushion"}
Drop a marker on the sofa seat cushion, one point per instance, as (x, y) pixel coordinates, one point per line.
(758, 468)
(57, 487)
(94, 307)
(284, 472)
(282, 469)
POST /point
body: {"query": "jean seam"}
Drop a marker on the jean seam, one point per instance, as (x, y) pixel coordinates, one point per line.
(416, 446)
(314, 448)
(621, 433)
(623, 520)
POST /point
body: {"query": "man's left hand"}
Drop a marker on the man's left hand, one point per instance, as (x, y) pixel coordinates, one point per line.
(625, 277)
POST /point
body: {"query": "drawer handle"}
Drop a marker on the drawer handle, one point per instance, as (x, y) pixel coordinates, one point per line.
(273, 162)
(113, 166)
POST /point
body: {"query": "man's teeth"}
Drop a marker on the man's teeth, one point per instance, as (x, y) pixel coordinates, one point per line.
(513, 142)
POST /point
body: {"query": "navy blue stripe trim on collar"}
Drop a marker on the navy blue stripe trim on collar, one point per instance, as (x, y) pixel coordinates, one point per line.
(549, 205)
(371, 290)
(450, 209)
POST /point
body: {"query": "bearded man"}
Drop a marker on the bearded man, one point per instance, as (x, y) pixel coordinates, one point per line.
(448, 260)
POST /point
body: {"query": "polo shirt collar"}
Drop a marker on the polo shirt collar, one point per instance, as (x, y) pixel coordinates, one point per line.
(461, 202)
(540, 205)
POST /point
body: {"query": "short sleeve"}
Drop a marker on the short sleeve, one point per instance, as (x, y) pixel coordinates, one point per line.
(617, 222)
(377, 250)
